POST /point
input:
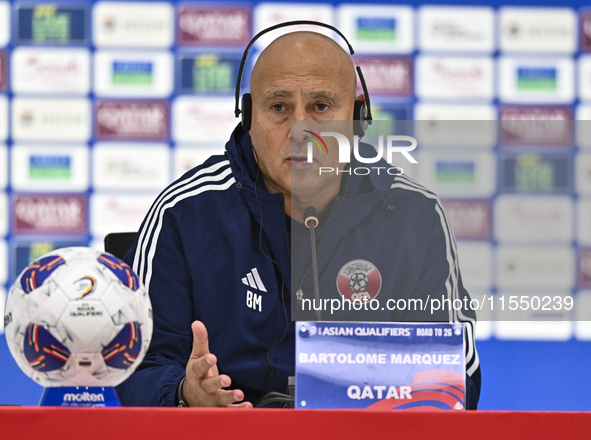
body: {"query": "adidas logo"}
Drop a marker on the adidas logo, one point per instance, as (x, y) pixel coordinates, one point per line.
(253, 280)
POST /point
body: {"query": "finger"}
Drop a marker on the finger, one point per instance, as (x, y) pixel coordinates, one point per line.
(200, 340)
(226, 397)
(211, 385)
(202, 367)
(240, 405)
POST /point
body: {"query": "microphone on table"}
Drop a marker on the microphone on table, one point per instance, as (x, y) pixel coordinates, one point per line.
(311, 221)
(287, 400)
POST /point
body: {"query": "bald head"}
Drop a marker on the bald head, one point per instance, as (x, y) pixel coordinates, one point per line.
(300, 56)
(301, 76)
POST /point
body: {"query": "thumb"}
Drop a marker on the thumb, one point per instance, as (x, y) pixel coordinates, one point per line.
(200, 340)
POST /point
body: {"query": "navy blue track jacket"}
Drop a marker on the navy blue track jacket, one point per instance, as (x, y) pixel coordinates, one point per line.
(200, 244)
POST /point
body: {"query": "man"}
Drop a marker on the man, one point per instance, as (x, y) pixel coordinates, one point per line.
(225, 221)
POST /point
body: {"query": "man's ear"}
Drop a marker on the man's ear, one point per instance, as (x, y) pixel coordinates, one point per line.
(361, 98)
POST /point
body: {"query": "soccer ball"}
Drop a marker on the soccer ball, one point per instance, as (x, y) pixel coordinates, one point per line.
(358, 281)
(78, 317)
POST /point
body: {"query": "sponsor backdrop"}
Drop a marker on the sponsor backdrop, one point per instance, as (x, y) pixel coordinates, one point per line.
(102, 104)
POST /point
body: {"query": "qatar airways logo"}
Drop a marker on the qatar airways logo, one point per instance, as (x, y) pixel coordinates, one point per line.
(393, 145)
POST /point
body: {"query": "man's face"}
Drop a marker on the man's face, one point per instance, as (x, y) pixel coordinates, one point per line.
(308, 84)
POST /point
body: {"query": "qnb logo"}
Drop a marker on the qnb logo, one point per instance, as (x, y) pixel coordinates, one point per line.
(84, 397)
(393, 145)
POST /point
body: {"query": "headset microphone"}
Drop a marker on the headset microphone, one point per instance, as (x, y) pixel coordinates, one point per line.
(361, 111)
(311, 221)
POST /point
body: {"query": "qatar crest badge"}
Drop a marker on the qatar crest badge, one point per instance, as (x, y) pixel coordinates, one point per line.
(359, 280)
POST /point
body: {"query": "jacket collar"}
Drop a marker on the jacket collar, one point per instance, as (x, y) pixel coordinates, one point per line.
(261, 204)
(244, 166)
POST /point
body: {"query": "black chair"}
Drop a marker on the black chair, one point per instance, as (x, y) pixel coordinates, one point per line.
(118, 243)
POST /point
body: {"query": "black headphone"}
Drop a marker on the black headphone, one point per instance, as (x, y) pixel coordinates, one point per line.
(361, 112)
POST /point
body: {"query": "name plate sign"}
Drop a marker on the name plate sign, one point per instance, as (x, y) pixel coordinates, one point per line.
(380, 365)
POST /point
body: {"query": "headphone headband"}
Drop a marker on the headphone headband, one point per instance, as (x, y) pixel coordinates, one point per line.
(237, 110)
